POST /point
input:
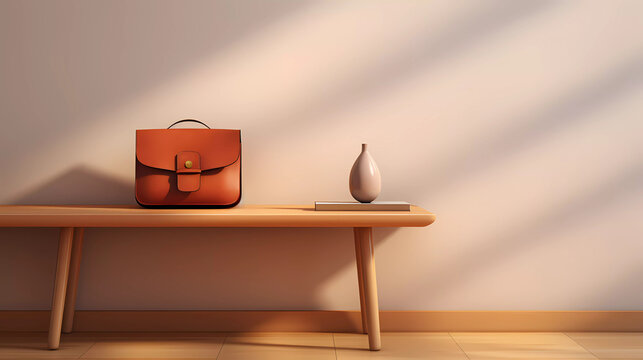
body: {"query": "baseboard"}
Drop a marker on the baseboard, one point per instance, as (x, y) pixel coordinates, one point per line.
(336, 321)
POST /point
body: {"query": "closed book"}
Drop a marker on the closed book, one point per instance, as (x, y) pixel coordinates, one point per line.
(357, 206)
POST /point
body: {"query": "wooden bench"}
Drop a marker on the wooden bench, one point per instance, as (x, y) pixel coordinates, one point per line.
(73, 219)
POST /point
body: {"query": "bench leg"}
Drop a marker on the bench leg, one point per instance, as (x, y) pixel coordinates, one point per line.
(60, 286)
(365, 238)
(72, 282)
(360, 280)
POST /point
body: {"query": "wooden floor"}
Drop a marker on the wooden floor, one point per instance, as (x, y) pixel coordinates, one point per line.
(310, 346)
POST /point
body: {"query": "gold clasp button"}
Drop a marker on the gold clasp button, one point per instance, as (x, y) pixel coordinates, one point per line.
(188, 164)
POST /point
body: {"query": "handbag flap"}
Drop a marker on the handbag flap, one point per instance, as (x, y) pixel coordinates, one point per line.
(158, 148)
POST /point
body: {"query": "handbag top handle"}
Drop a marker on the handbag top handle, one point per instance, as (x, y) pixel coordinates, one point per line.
(188, 120)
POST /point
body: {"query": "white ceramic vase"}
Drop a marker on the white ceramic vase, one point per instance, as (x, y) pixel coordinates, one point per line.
(365, 181)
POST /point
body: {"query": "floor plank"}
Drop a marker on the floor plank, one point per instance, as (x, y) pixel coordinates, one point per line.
(488, 346)
(438, 346)
(152, 347)
(278, 346)
(611, 345)
(33, 346)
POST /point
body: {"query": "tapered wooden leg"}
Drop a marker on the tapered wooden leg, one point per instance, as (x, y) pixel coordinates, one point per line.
(360, 280)
(60, 286)
(72, 282)
(365, 238)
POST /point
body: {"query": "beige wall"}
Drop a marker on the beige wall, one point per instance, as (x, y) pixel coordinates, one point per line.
(518, 122)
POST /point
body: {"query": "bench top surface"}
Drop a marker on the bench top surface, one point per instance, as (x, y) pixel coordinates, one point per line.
(239, 216)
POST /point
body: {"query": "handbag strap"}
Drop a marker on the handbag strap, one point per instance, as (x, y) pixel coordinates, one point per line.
(188, 120)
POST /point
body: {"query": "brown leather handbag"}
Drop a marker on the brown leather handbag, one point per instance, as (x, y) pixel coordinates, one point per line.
(188, 167)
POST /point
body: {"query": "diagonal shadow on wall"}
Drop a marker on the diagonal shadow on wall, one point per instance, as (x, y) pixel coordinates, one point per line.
(531, 128)
(410, 57)
(503, 246)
